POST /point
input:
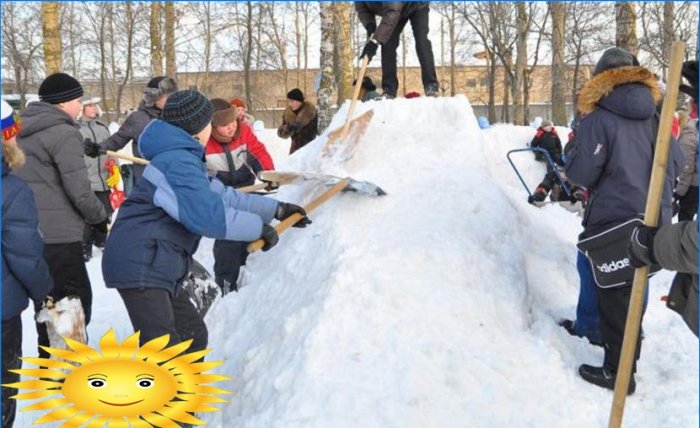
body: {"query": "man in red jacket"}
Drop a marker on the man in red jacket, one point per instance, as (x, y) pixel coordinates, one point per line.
(234, 155)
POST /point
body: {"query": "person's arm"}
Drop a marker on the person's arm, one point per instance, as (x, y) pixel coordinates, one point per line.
(589, 154)
(675, 246)
(22, 246)
(283, 130)
(688, 141)
(390, 18)
(129, 131)
(67, 154)
(258, 151)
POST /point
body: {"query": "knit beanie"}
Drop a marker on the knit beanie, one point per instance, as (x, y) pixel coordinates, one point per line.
(158, 87)
(224, 113)
(690, 73)
(11, 124)
(188, 110)
(614, 58)
(59, 88)
(237, 102)
(296, 95)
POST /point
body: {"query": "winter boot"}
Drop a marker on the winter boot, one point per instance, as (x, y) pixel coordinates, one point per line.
(432, 91)
(539, 195)
(603, 377)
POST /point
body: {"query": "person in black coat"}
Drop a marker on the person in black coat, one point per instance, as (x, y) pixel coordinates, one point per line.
(25, 274)
(612, 158)
(394, 17)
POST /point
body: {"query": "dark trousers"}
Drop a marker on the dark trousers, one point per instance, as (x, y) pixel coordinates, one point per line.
(613, 304)
(92, 236)
(70, 278)
(155, 312)
(419, 23)
(688, 204)
(11, 352)
(229, 256)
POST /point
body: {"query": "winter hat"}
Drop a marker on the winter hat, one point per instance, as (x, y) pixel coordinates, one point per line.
(546, 123)
(158, 87)
(224, 113)
(11, 124)
(614, 58)
(237, 102)
(88, 100)
(690, 73)
(296, 95)
(188, 110)
(59, 88)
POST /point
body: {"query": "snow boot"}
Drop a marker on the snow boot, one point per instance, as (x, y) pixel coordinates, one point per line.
(570, 327)
(432, 91)
(603, 377)
(539, 196)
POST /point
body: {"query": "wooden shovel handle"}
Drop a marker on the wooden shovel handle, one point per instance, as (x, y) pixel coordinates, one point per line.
(124, 156)
(355, 96)
(292, 219)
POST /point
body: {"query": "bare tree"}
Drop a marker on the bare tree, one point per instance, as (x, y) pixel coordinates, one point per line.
(277, 34)
(71, 25)
(21, 43)
(51, 29)
(156, 40)
(558, 11)
(325, 90)
(343, 48)
(539, 20)
(170, 60)
(661, 24)
(626, 27)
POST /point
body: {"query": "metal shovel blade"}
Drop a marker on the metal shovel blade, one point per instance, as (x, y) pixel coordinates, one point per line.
(283, 177)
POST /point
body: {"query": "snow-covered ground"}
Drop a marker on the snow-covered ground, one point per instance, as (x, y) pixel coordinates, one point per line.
(434, 306)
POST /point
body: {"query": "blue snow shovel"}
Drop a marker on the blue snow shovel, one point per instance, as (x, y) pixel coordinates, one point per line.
(550, 162)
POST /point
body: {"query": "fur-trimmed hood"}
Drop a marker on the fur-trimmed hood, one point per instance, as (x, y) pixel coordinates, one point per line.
(622, 90)
(12, 156)
(304, 115)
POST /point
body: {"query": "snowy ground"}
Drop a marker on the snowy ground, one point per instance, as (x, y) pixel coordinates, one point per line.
(435, 306)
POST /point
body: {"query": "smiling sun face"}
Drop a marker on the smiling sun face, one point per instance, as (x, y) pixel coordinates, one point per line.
(148, 386)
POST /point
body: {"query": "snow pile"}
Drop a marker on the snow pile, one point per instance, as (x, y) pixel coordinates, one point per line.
(434, 306)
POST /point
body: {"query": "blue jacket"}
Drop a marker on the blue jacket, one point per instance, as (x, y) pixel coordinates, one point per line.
(614, 147)
(25, 274)
(159, 226)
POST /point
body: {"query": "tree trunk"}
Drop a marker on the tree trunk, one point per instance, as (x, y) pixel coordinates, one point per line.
(558, 10)
(297, 37)
(51, 30)
(207, 46)
(626, 27)
(453, 48)
(344, 49)
(505, 108)
(306, 47)
(520, 64)
(156, 42)
(668, 36)
(248, 55)
(130, 30)
(170, 63)
(325, 90)
(493, 118)
(404, 53)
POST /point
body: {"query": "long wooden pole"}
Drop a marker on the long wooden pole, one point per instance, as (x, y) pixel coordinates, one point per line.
(355, 96)
(651, 218)
(291, 220)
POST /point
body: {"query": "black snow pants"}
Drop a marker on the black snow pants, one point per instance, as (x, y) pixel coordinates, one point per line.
(229, 256)
(11, 351)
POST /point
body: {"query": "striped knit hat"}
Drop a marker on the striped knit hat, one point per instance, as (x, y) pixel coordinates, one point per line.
(59, 88)
(11, 124)
(188, 110)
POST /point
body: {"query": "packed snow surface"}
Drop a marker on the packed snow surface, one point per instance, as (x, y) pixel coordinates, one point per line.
(434, 306)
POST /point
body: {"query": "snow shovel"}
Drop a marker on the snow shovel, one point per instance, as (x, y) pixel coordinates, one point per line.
(64, 318)
(142, 161)
(651, 218)
(550, 162)
(353, 129)
(283, 177)
(294, 218)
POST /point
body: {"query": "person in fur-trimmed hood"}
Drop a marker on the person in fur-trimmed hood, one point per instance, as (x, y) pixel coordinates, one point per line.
(299, 121)
(613, 158)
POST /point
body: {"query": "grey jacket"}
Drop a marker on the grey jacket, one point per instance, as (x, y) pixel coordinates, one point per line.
(96, 131)
(391, 12)
(130, 131)
(676, 248)
(55, 170)
(688, 141)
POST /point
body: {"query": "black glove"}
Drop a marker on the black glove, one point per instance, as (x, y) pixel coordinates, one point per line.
(270, 236)
(370, 50)
(641, 246)
(371, 28)
(271, 186)
(92, 149)
(285, 210)
(294, 127)
(102, 227)
(125, 171)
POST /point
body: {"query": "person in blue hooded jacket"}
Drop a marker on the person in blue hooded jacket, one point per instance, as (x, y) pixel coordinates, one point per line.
(613, 158)
(158, 228)
(25, 274)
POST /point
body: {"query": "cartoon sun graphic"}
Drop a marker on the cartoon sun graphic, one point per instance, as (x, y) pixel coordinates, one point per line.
(123, 386)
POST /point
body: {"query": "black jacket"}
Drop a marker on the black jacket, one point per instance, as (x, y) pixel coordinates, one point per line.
(391, 12)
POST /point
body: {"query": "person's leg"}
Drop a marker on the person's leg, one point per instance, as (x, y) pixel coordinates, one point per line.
(688, 205)
(613, 304)
(229, 256)
(88, 239)
(188, 323)
(587, 320)
(420, 21)
(390, 80)
(99, 237)
(11, 352)
(151, 312)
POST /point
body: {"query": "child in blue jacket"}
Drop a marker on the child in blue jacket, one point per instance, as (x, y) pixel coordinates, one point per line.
(158, 228)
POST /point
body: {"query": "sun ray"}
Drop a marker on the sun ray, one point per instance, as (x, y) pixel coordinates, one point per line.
(36, 394)
(58, 414)
(77, 420)
(160, 421)
(34, 384)
(153, 346)
(168, 353)
(47, 404)
(179, 413)
(84, 350)
(98, 422)
(139, 423)
(66, 354)
(118, 423)
(202, 398)
(187, 358)
(51, 364)
(40, 373)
